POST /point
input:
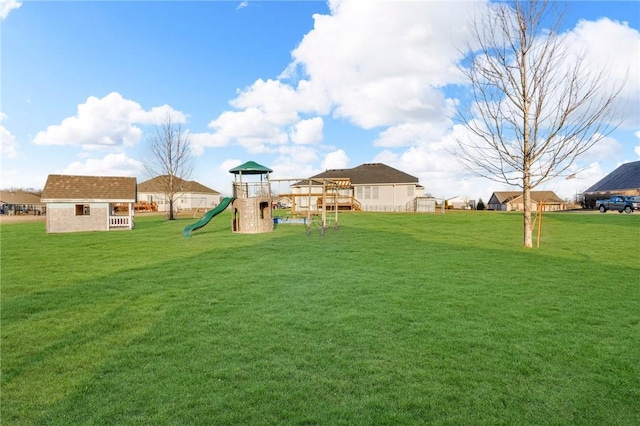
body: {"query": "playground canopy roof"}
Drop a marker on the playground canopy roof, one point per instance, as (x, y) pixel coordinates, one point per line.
(250, 168)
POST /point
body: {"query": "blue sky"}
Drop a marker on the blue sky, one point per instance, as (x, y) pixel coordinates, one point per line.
(299, 86)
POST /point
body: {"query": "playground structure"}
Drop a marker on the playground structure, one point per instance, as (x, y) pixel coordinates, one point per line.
(313, 198)
(252, 202)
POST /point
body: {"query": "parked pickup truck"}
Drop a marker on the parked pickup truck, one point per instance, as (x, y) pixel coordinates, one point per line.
(619, 203)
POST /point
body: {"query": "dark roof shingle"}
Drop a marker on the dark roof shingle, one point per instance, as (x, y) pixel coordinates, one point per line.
(627, 176)
(367, 174)
(85, 188)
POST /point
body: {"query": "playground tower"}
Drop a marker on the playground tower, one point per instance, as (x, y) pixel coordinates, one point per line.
(252, 204)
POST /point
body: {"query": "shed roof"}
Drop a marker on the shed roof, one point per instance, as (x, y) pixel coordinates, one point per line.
(250, 168)
(157, 183)
(67, 188)
(627, 176)
(368, 173)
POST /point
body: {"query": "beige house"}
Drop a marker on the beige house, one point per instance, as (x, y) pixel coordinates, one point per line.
(87, 203)
(460, 203)
(20, 203)
(190, 195)
(373, 187)
(512, 201)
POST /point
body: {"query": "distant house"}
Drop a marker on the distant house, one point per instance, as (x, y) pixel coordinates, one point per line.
(20, 202)
(86, 203)
(512, 201)
(625, 180)
(460, 203)
(191, 195)
(368, 187)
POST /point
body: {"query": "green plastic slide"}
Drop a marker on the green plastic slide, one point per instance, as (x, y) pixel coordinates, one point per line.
(207, 217)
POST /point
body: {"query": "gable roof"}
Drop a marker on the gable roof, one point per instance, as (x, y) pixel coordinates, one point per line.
(19, 197)
(627, 176)
(368, 173)
(155, 185)
(67, 188)
(504, 197)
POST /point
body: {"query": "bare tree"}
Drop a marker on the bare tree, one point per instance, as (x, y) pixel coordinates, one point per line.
(171, 161)
(535, 105)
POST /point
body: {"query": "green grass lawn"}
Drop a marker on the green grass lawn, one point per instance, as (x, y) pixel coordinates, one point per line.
(393, 319)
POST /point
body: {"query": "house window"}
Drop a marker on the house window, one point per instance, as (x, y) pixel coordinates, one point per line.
(359, 192)
(83, 210)
(409, 191)
(371, 192)
(183, 200)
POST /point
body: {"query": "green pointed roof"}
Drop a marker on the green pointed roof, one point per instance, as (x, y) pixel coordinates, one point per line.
(250, 168)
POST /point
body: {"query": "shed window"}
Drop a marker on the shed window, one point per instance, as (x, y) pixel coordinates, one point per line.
(83, 210)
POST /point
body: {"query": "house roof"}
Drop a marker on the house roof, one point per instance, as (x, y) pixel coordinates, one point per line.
(627, 176)
(19, 197)
(538, 196)
(368, 173)
(156, 185)
(89, 188)
(250, 168)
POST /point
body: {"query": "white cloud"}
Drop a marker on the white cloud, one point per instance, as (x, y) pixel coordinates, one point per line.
(336, 160)
(198, 141)
(106, 122)
(265, 110)
(615, 47)
(300, 154)
(374, 63)
(242, 5)
(8, 143)
(7, 6)
(605, 148)
(110, 165)
(253, 129)
(383, 62)
(307, 131)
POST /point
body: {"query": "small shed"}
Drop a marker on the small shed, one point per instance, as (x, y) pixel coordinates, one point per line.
(86, 203)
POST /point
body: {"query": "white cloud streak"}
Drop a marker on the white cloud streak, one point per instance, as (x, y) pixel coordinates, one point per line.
(7, 6)
(108, 122)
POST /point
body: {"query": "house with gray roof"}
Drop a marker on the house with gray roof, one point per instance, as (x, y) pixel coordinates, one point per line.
(625, 180)
(367, 187)
(87, 203)
(189, 194)
(513, 201)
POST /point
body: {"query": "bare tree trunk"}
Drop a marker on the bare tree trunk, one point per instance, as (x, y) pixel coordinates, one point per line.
(528, 225)
(171, 163)
(535, 104)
